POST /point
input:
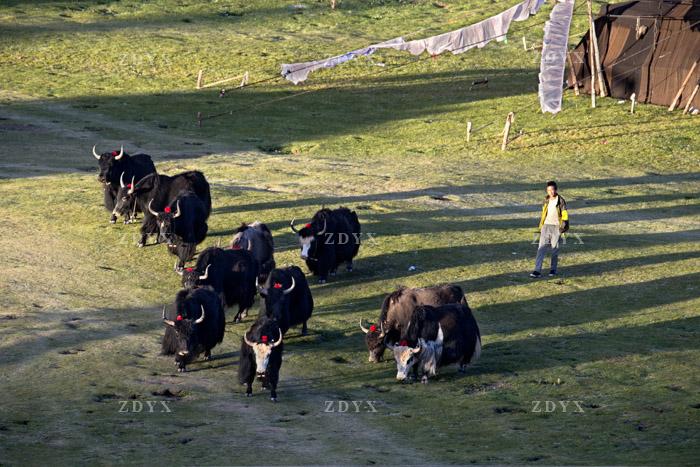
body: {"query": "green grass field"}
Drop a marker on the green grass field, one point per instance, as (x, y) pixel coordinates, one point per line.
(80, 304)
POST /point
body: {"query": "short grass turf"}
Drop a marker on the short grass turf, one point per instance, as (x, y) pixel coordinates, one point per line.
(80, 328)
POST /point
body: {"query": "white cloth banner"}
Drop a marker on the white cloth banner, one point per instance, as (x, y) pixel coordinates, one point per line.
(458, 41)
(476, 35)
(298, 72)
(554, 50)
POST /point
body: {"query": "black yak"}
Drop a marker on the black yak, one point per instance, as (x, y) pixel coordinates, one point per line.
(116, 166)
(160, 191)
(183, 229)
(261, 355)
(287, 298)
(397, 309)
(257, 239)
(231, 273)
(331, 238)
(195, 327)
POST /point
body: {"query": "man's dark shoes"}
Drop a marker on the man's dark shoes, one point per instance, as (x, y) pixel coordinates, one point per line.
(552, 273)
(535, 274)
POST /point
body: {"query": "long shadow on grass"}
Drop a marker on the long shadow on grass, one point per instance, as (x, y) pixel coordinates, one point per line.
(395, 265)
(552, 351)
(315, 203)
(511, 279)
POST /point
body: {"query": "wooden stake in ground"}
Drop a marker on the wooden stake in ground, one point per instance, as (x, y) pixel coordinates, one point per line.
(469, 131)
(633, 98)
(506, 130)
(594, 38)
(672, 107)
(199, 79)
(591, 53)
(690, 99)
(572, 75)
(199, 119)
(524, 44)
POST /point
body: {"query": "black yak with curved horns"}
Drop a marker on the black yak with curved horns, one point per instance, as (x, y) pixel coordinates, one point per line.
(184, 229)
(196, 327)
(115, 166)
(331, 238)
(161, 191)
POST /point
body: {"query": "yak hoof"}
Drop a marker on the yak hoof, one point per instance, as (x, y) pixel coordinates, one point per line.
(322, 281)
(140, 244)
(424, 379)
(113, 220)
(333, 273)
(348, 268)
(249, 394)
(273, 399)
(181, 370)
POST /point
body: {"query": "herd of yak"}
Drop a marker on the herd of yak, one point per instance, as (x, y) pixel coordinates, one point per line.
(425, 328)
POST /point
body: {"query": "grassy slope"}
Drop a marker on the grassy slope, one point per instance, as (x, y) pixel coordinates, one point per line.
(80, 329)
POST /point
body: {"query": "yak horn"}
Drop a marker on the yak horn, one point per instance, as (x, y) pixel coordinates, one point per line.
(280, 339)
(440, 335)
(121, 153)
(206, 274)
(325, 224)
(133, 184)
(381, 327)
(250, 245)
(201, 318)
(364, 329)
(150, 209)
(291, 225)
(94, 153)
(245, 338)
(167, 321)
(121, 180)
(177, 213)
(291, 287)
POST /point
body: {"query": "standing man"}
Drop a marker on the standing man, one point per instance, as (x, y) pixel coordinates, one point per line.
(553, 223)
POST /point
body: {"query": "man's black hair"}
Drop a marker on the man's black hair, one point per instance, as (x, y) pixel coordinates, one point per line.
(552, 183)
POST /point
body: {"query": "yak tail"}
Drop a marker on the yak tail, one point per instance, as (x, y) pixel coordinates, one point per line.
(477, 350)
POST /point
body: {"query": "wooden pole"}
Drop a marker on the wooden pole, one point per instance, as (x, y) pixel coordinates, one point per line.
(599, 68)
(506, 130)
(469, 131)
(199, 119)
(221, 81)
(244, 81)
(672, 107)
(572, 75)
(199, 79)
(690, 99)
(633, 98)
(524, 44)
(591, 53)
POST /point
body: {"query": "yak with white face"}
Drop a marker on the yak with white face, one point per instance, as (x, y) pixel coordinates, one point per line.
(116, 166)
(423, 358)
(330, 239)
(397, 309)
(261, 356)
(436, 337)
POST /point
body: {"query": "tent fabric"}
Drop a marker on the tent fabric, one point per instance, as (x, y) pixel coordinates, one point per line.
(553, 62)
(647, 48)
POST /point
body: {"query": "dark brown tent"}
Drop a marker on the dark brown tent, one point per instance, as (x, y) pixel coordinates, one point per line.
(647, 47)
